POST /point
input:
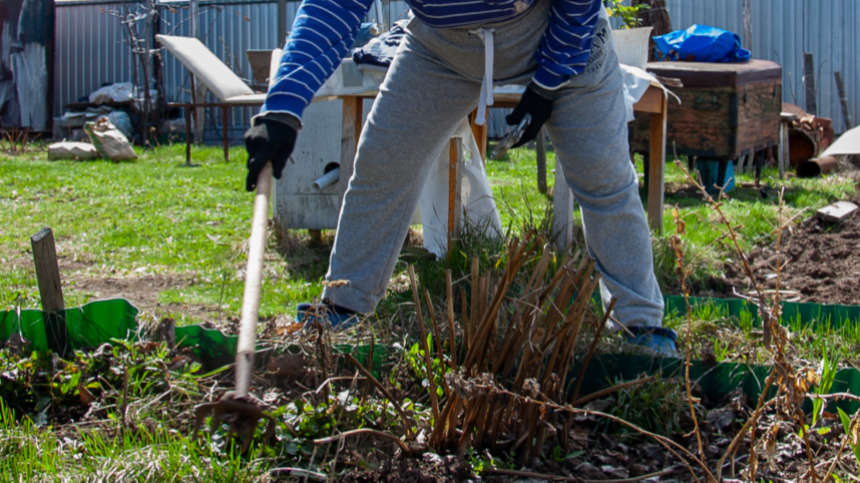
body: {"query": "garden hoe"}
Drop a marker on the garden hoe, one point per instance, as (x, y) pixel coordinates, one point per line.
(236, 407)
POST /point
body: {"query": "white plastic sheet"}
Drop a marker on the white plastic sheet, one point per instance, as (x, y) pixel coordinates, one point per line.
(479, 208)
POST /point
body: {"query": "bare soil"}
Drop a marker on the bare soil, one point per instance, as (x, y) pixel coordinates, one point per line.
(823, 263)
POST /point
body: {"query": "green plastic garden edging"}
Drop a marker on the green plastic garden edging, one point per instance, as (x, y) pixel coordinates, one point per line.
(101, 321)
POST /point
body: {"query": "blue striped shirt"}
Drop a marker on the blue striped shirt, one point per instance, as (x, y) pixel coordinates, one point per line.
(325, 29)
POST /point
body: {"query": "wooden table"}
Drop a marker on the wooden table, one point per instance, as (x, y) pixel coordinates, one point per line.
(654, 102)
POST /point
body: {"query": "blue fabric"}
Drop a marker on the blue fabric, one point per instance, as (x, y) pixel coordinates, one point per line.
(657, 341)
(380, 51)
(709, 174)
(324, 31)
(701, 43)
(337, 317)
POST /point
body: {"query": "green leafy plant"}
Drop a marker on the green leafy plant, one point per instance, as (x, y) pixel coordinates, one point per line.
(629, 14)
(851, 435)
(829, 366)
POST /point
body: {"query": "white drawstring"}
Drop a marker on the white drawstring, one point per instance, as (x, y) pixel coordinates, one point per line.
(486, 98)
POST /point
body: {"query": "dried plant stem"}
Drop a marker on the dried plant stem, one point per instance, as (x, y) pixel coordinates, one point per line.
(355, 432)
(678, 246)
(452, 333)
(667, 443)
(610, 390)
(750, 422)
(592, 348)
(384, 392)
(439, 352)
(428, 361)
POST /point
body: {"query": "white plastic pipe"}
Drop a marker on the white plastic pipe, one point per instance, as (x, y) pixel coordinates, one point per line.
(327, 179)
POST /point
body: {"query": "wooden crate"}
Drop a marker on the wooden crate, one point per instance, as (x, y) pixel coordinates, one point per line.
(726, 110)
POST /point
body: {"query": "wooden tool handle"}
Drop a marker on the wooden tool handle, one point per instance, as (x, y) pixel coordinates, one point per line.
(253, 284)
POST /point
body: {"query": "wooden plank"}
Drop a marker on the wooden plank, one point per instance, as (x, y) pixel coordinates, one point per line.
(540, 152)
(50, 289)
(656, 171)
(350, 132)
(837, 211)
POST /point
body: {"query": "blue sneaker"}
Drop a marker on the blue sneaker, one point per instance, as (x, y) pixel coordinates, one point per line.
(339, 318)
(657, 341)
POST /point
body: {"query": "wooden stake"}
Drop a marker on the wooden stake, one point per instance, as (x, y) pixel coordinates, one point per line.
(843, 100)
(748, 29)
(809, 82)
(50, 289)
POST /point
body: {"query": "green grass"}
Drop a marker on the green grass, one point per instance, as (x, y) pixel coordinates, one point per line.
(156, 218)
(152, 216)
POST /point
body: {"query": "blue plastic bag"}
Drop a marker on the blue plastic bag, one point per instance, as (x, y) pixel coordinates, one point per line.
(701, 43)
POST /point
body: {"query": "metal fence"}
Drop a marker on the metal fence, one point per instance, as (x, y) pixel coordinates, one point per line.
(92, 51)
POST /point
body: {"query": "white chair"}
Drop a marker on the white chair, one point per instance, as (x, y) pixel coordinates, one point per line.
(221, 81)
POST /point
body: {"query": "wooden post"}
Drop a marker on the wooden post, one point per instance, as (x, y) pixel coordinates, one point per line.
(748, 30)
(843, 99)
(809, 83)
(282, 23)
(198, 90)
(562, 208)
(454, 209)
(50, 289)
(541, 161)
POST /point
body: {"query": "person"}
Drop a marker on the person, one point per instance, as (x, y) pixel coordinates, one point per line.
(453, 52)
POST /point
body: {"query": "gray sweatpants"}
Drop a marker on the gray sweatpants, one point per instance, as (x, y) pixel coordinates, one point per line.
(433, 83)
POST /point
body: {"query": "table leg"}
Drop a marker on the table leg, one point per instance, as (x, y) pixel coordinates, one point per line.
(350, 131)
(656, 171)
(224, 115)
(187, 134)
(480, 133)
(782, 153)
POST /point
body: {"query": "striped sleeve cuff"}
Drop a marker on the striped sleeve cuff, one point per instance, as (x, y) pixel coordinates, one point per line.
(546, 79)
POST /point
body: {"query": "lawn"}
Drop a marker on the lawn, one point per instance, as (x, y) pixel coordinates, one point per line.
(172, 240)
(180, 231)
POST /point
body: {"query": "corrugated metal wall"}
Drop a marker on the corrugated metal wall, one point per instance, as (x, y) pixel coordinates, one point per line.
(91, 49)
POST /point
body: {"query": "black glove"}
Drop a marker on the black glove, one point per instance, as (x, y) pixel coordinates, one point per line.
(537, 102)
(268, 140)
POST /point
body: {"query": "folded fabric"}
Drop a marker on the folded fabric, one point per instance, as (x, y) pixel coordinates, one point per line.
(701, 43)
(380, 51)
